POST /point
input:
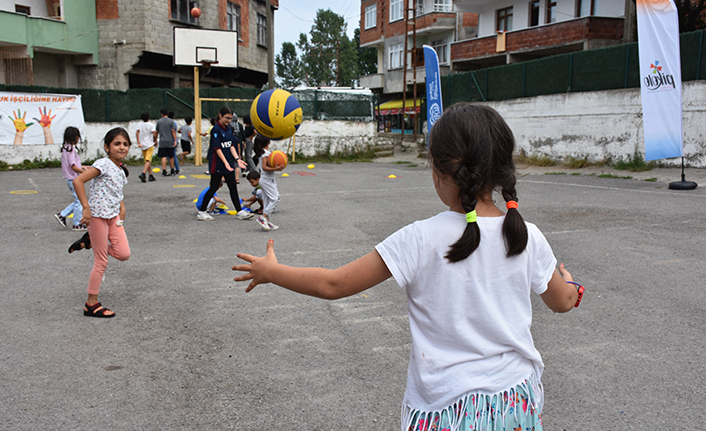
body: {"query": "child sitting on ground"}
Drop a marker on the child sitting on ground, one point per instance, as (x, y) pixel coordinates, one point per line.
(215, 200)
(254, 180)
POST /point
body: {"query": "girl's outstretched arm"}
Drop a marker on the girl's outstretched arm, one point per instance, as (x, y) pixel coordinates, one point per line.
(560, 296)
(355, 277)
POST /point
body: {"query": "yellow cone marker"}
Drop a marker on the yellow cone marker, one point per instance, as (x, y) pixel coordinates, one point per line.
(232, 212)
(285, 175)
(181, 177)
(392, 176)
(311, 166)
(195, 200)
(156, 169)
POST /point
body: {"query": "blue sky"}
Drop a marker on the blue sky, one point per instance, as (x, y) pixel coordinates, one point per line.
(297, 16)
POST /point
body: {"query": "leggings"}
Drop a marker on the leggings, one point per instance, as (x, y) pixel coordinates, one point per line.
(213, 187)
(107, 239)
(74, 207)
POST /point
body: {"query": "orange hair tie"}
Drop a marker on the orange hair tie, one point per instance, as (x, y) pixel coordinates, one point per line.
(512, 204)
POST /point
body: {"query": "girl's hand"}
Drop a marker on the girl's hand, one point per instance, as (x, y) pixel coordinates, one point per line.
(564, 273)
(86, 216)
(259, 267)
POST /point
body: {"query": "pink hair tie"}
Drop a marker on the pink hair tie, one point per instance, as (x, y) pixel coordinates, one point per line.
(512, 204)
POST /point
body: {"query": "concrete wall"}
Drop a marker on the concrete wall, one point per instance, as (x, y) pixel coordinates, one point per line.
(597, 125)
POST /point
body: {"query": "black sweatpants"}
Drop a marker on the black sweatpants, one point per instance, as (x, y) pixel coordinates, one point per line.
(213, 188)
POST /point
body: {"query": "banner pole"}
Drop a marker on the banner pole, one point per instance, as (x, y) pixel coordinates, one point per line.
(197, 116)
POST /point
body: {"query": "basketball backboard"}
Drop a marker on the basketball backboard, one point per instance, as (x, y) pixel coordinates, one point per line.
(193, 46)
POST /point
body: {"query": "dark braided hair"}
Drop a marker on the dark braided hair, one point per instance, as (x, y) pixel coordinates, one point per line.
(473, 146)
(259, 144)
(71, 137)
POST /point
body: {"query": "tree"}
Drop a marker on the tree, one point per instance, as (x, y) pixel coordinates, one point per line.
(288, 66)
(691, 14)
(329, 57)
(367, 57)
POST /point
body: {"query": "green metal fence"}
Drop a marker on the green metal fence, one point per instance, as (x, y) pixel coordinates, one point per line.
(594, 70)
(113, 105)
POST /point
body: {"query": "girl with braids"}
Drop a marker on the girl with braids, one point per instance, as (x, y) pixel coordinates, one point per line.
(468, 273)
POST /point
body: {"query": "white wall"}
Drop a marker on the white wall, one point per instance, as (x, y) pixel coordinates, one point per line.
(598, 125)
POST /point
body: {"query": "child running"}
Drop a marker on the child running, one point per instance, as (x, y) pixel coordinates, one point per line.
(104, 214)
(146, 139)
(186, 139)
(71, 168)
(468, 273)
(222, 157)
(268, 184)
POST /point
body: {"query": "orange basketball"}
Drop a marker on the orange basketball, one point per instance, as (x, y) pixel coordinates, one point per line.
(195, 12)
(277, 158)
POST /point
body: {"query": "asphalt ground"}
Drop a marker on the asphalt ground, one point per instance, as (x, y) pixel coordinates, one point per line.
(189, 350)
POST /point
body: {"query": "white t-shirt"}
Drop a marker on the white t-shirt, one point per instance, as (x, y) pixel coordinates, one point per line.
(264, 173)
(470, 320)
(106, 189)
(146, 135)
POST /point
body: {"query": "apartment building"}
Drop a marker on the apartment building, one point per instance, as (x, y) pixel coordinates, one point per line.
(382, 26)
(429, 22)
(136, 42)
(47, 42)
(511, 31)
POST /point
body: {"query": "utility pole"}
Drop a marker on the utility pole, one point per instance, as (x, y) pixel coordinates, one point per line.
(270, 45)
(407, 10)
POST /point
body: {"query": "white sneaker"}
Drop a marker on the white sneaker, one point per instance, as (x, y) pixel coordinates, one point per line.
(203, 215)
(266, 224)
(244, 215)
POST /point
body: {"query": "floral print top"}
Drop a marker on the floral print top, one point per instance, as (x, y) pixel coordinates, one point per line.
(106, 189)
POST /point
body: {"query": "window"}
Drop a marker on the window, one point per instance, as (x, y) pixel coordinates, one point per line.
(551, 11)
(24, 10)
(588, 7)
(441, 49)
(442, 5)
(181, 11)
(396, 8)
(503, 19)
(233, 11)
(371, 16)
(395, 56)
(419, 7)
(261, 30)
(534, 13)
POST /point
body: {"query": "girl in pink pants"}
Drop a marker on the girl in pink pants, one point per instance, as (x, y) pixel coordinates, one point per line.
(104, 213)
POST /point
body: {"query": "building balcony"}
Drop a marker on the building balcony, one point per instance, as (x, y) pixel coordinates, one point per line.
(427, 24)
(536, 42)
(373, 81)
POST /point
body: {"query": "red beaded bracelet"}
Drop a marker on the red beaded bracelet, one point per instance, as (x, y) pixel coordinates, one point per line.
(580, 291)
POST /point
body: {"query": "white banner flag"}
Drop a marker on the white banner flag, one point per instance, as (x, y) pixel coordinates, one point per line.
(38, 118)
(660, 73)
